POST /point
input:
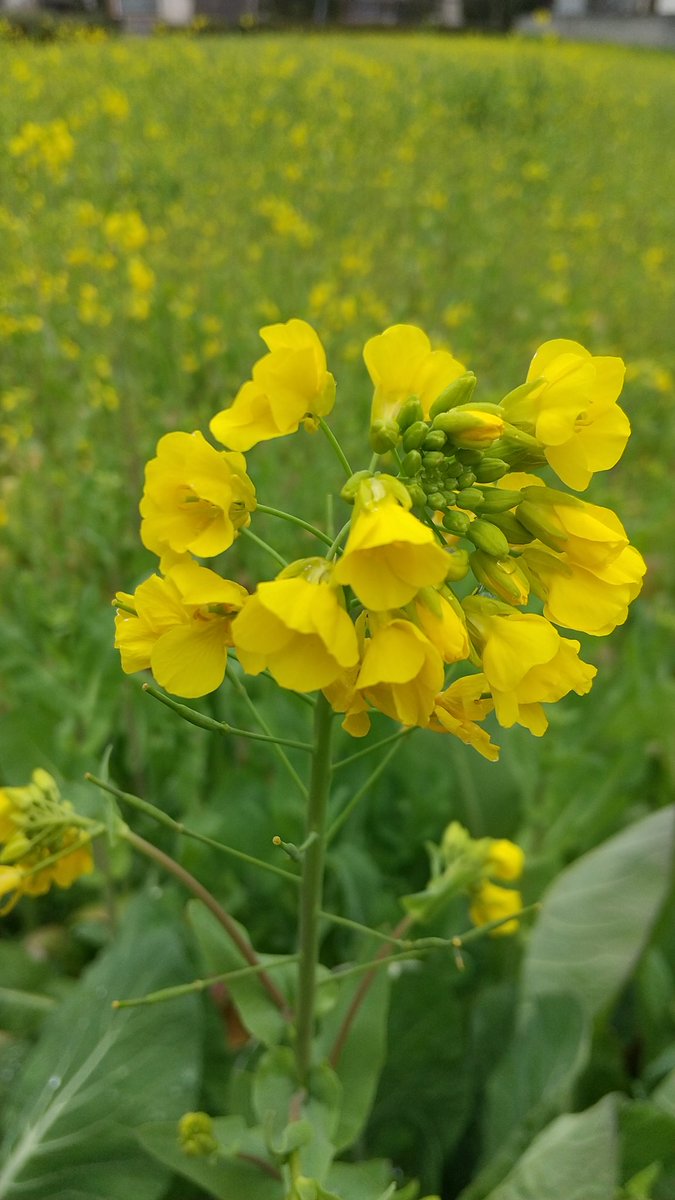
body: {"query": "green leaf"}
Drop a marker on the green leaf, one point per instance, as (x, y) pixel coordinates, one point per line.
(363, 1053)
(647, 1137)
(257, 1008)
(276, 1095)
(360, 1181)
(575, 1158)
(664, 1094)
(96, 1073)
(224, 1175)
(533, 1081)
(598, 914)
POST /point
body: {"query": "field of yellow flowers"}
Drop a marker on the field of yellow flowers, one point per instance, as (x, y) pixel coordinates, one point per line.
(160, 200)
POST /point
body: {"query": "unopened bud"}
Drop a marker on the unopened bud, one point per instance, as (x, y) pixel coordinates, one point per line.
(458, 392)
(516, 533)
(485, 536)
(16, 848)
(501, 576)
(470, 428)
(469, 458)
(469, 498)
(410, 412)
(436, 500)
(412, 463)
(417, 494)
(383, 436)
(414, 435)
(466, 478)
(458, 565)
(195, 1134)
(456, 522)
(542, 521)
(433, 458)
(496, 500)
(491, 469)
(434, 440)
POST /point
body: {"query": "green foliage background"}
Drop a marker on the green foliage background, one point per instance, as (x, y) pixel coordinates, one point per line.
(495, 193)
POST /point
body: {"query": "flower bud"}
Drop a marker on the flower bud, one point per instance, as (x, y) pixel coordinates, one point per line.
(458, 565)
(16, 848)
(466, 478)
(485, 536)
(436, 500)
(501, 576)
(469, 497)
(458, 392)
(471, 428)
(433, 458)
(417, 494)
(468, 458)
(497, 500)
(491, 469)
(383, 436)
(412, 463)
(456, 522)
(434, 440)
(414, 435)
(195, 1134)
(409, 413)
(516, 533)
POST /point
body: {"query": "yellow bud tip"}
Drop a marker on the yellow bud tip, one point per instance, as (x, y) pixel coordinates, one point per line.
(276, 840)
(115, 1004)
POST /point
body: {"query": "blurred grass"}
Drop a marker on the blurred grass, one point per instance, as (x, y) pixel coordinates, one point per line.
(497, 193)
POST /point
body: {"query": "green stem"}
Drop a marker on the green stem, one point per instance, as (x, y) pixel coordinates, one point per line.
(388, 741)
(358, 796)
(223, 918)
(253, 537)
(200, 985)
(332, 551)
(293, 520)
(203, 722)
(158, 814)
(339, 452)
(279, 751)
(311, 888)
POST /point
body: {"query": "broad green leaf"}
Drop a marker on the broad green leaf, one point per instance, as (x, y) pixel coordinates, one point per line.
(533, 1080)
(363, 1051)
(257, 1008)
(598, 914)
(360, 1181)
(664, 1094)
(574, 1158)
(96, 1073)
(226, 1175)
(647, 1137)
(276, 1095)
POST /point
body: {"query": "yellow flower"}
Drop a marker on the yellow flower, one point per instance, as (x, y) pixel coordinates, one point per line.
(589, 535)
(180, 628)
(10, 888)
(493, 903)
(505, 860)
(525, 661)
(289, 385)
(592, 599)
(389, 554)
(196, 498)
(401, 363)
(572, 410)
(297, 628)
(401, 673)
(458, 709)
(443, 623)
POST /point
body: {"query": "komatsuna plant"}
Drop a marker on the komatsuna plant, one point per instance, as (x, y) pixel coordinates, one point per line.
(437, 602)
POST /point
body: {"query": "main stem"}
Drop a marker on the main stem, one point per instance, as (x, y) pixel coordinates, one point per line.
(311, 887)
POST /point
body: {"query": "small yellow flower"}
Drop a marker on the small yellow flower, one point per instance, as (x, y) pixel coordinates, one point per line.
(589, 535)
(443, 623)
(525, 661)
(389, 554)
(10, 888)
(289, 385)
(179, 627)
(297, 627)
(493, 903)
(592, 599)
(401, 364)
(196, 498)
(458, 710)
(401, 673)
(505, 860)
(572, 410)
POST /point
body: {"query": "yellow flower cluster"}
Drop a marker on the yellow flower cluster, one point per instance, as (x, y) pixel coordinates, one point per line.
(377, 623)
(40, 840)
(50, 146)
